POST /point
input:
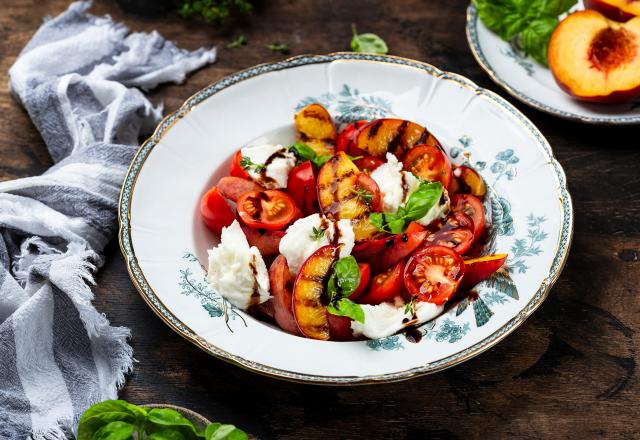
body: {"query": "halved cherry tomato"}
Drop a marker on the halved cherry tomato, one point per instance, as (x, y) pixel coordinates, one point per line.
(365, 274)
(459, 240)
(215, 210)
(367, 164)
(372, 191)
(301, 186)
(472, 206)
(429, 163)
(433, 274)
(236, 169)
(479, 269)
(346, 136)
(270, 209)
(457, 220)
(385, 286)
(398, 248)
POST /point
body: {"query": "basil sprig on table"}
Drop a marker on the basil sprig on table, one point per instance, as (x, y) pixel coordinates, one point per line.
(527, 24)
(368, 43)
(120, 420)
(343, 282)
(418, 205)
(304, 152)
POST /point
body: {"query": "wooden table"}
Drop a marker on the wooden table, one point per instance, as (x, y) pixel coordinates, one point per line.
(568, 372)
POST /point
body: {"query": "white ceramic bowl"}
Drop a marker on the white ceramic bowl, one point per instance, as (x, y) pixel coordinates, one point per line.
(164, 241)
(533, 83)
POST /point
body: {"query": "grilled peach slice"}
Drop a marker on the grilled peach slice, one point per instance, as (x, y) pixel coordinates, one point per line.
(281, 280)
(479, 269)
(467, 181)
(309, 302)
(596, 59)
(392, 135)
(338, 183)
(233, 187)
(618, 10)
(316, 129)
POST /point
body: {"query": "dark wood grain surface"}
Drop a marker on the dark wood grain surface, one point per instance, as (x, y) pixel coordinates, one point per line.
(569, 372)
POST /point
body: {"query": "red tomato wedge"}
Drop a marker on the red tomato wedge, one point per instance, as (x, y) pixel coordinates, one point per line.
(398, 248)
(433, 274)
(233, 187)
(365, 275)
(347, 135)
(371, 195)
(236, 170)
(414, 227)
(267, 242)
(369, 249)
(479, 269)
(270, 209)
(385, 286)
(301, 186)
(472, 206)
(429, 163)
(215, 211)
(367, 164)
(281, 281)
(459, 240)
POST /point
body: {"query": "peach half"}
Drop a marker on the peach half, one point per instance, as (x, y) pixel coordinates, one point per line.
(618, 10)
(596, 59)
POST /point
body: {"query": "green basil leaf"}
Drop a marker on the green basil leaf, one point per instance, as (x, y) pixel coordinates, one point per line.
(167, 434)
(377, 220)
(347, 275)
(527, 23)
(169, 418)
(106, 412)
(218, 431)
(114, 431)
(346, 307)
(534, 39)
(396, 224)
(303, 151)
(422, 200)
(369, 43)
(320, 160)
(552, 8)
(332, 287)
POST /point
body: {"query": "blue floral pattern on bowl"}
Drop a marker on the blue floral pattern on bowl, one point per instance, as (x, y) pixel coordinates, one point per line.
(350, 105)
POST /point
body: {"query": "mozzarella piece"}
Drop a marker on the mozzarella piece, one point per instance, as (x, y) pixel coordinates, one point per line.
(299, 241)
(236, 271)
(395, 185)
(437, 211)
(280, 162)
(385, 319)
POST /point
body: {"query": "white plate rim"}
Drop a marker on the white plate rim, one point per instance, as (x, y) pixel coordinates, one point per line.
(478, 54)
(149, 296)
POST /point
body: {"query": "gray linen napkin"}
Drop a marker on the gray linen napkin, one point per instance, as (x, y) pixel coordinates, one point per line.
(77, 79)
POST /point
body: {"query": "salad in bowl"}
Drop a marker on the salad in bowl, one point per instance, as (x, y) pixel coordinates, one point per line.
(358, 231)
